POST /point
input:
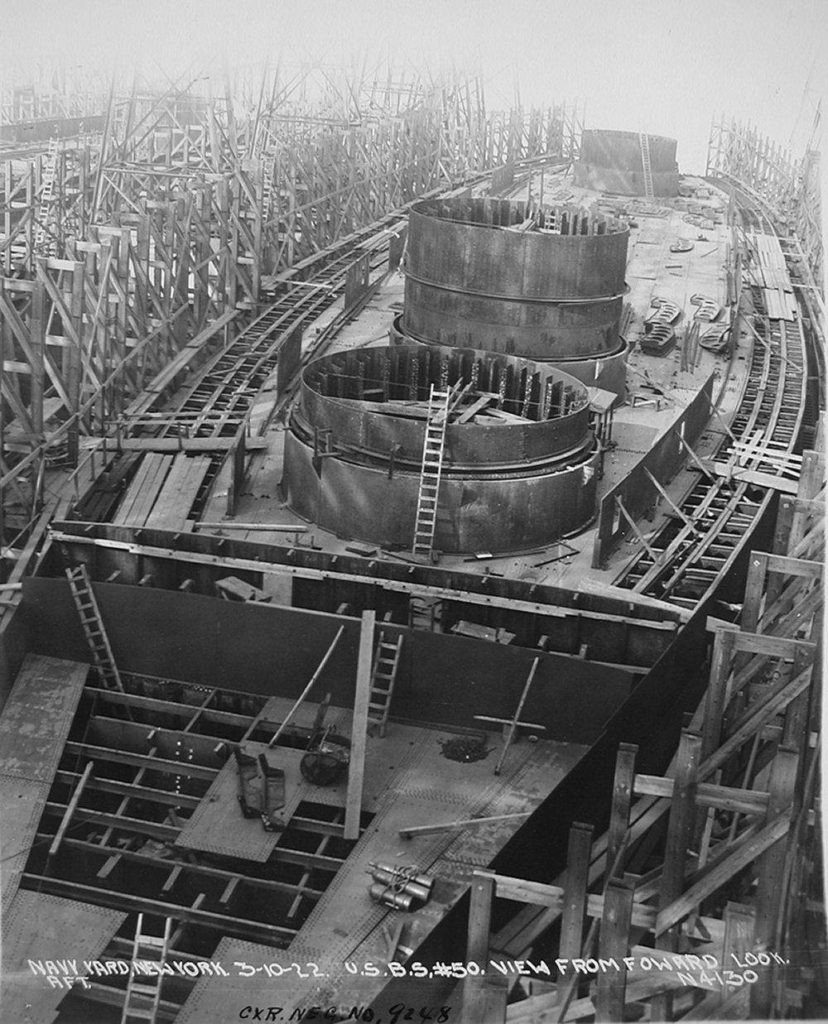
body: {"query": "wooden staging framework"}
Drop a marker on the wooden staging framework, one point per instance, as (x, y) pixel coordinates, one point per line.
(732, 817)
(788, 188)
(83, 336)
(119, 249)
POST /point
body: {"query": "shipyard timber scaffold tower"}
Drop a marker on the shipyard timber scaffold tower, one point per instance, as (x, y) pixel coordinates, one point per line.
(148, 220)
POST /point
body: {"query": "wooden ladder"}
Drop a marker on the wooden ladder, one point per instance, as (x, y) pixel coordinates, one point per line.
(644, 143)
(46, 192)
(268, 172)
(433, 447)
(143, 992)
(93, 627)
(386, 663)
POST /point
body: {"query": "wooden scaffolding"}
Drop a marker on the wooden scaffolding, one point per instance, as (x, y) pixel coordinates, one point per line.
(696, 902)
(122, 245)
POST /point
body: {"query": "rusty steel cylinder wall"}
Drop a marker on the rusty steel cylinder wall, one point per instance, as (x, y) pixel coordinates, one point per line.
(611, 161)
(519, 457)
(540, 282)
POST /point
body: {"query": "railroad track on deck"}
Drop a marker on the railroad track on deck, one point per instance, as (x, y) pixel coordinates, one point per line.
(693, 553)
(218, 402)
(224, 392)
(221, 398)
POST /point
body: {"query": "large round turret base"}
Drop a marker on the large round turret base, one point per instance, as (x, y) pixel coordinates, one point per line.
(504, 513)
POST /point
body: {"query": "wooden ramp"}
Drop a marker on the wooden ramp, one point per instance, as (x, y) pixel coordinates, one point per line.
(38, 927)
(140, 496)
(33, 729)
(178, 493)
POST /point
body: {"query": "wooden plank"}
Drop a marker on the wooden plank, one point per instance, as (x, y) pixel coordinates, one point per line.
(169, 511)
(727, 798)
(771, 865)
(795, 566)
(613, 943)
(655, 555)
(515, 722)
(769, 646)
(751, 476)
(755, 718)
(716, 696)
(500, 415)
(70, 810)
(754, 588)
(621, 800)
(143, 491)
(178, 493)
(145, 498)
(739, 922)
(129, 513)
(454, 826)
(304, 694)
(359, 730)
(575, 889)
(177, 444)
(477, 405)
(741, 855)
(473, 1007)
(524, 891)
(679, 833)
(132, 492)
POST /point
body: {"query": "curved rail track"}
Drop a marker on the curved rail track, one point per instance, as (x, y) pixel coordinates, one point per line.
(693, 554)
(218, 401)
(719, 514)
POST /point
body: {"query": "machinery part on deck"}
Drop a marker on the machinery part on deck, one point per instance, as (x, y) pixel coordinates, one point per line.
(325, 766)
(612, 161)
(391, 897)
(507, 276)
(662, 311)
(519, 463)
(405, 879)
(250, 784)
(659, 340)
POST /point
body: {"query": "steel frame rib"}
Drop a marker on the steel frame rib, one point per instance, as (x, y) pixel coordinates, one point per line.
(252, 931)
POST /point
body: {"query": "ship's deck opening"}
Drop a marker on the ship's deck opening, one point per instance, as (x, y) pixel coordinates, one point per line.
(155, 759)
(517, 387)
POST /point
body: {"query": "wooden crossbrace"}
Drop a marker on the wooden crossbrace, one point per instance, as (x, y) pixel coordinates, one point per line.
(512, 724)
(304, 694)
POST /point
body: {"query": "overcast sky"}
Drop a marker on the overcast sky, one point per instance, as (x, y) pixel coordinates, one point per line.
(664, 65)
